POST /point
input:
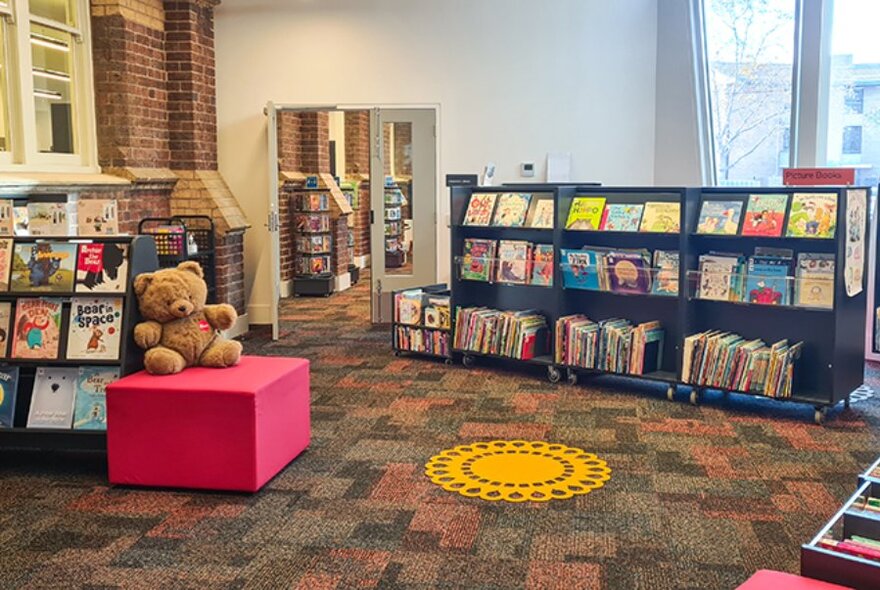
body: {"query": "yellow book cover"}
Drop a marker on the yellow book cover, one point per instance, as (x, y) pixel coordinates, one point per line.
(585, 213)
(661, 217)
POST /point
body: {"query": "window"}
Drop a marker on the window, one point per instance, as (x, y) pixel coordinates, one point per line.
(852, 139)
(786, 139)
(854, 100)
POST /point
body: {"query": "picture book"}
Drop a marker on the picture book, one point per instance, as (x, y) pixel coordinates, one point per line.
(768, 281)
(719, 218)
(43, 267)
(542, 265)
(812, 215)
(48, 219)
(408, 307)
(95, 328)
(102, 267)
(8, 389)
(90, 407)
(765, 215)
(5, 317)
(514, 257)
(7, 217)
(814, 280)
(542, 213)
(661, 217)
(437, 312)
(315, 202)
(480, 208)
(665, 273)
(311, 223)
(719, 277)
(581, 269)
(20, 219)
(628, 272)
(5, 263)
(37, 328)
(585, 213)
(53, 398)
(619, 217)
(477, 261)
(511, 209)
(97, 217)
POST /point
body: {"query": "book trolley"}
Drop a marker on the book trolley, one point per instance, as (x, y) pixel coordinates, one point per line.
(831, 363)
(141, 258)
(395, 255)
(313, 242)
(181, 238)
(423, 332)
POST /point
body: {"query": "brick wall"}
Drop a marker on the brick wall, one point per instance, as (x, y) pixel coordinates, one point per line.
(134, 204)
(285, 213)
(357, 142)
(361, 219)
(230, 266)
(386, 148)
(340, 258)
(403, 149)
(314, 142)
(289, 149)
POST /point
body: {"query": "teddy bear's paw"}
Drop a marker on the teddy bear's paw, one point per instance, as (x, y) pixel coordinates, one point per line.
(224, 315)
(222, 354)
(163, 361)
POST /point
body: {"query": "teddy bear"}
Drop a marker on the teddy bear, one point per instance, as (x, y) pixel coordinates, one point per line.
(180, 331)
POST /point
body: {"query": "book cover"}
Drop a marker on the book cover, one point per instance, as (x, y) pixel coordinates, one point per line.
(814, 280)
(90, 407)
(542, 265)
(311, 222)
(478, 259)
(765, 215)
(7, 217)
(585, 213)
(513, 262)
(97, 217)
(95, 328)
(480, 208)
(666, 273)
(102, 268)
(661, 217)
(5, 263)
(580, 269)
(511, 209)
(48, 219)
(53, 398)
(5, 317)
(812, 215)
(20, 220)
(719, 218)
(767, 281)
(542, 213)
(409, 307)
(620, 217)
(432, 317)
(8, 389)
(37, 328)
(628, 272)
(43, 267)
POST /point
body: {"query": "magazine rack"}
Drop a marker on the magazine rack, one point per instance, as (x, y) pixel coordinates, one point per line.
(181, 238)
(832, 362)
(142, 257)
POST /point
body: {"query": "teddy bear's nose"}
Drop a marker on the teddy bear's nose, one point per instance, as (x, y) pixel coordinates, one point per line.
(181, 308)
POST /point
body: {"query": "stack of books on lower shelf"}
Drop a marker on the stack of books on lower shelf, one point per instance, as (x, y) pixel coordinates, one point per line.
(422, 322)
(515, 334)
(729, 361)
(613, 345)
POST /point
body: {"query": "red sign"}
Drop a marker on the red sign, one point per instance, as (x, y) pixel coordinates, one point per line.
(818, 176)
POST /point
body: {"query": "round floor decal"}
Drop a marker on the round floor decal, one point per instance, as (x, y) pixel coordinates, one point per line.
(518, 471)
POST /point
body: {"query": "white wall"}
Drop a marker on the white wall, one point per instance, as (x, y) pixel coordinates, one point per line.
(514, 79)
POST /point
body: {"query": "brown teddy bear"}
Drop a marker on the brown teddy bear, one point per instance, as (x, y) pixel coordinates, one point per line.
(181, 331)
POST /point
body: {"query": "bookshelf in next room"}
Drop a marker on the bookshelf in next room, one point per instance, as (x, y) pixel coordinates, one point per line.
(422, 322)
(312, 241)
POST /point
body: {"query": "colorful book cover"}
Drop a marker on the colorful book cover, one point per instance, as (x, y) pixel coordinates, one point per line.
(94, 329)
(768, 281)
(311, 223)
(48, 219)
(478, 259)
(409, 307)
(102, 268)
(8, 389)
(628, 272)
(37, 328)
(580, 269)
(90, 408)
(812, 215)
(5, 317)
(718, 278)
(53, 398)
(585, 213)
(542, 265)
(620, 217)
(43, 267)
(7, 217)
(814, 280)
(661, 217)
(511, 209)
(20, 219)
(5, 263)
(719, 218)
(666, 273)
(765, 215)
(480, 208)
(97, 217)
(513, 261)
(543, 212)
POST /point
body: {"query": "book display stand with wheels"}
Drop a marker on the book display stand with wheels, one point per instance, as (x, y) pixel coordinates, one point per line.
(181, 238)
(422, 323)
(395, 253)
(313, 242)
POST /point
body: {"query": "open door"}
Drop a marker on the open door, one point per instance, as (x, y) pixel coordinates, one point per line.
(274, 218)
(403, 195)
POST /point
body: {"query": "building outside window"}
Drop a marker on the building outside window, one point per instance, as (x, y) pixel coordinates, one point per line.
(852, 139)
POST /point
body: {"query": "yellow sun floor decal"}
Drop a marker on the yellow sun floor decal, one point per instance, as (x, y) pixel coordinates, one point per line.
(518, 471)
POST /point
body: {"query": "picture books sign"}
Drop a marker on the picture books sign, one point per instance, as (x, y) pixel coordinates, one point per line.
(818, 176)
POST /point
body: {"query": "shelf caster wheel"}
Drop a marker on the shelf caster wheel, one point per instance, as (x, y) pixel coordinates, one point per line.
(819, 416)
(670, 393)
(397, 353)
(467, 360)
(554, 375)
(572, 378)
(694, 397)
(447, 361)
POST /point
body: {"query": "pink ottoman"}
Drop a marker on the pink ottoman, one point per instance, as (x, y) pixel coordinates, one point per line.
(215, 429)
(771, 580)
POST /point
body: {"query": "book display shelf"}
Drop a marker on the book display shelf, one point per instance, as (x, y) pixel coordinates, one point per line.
(313, 242)
(395, 253)
(185, 237)
(422, 322)
(687, 275)
(102, 337)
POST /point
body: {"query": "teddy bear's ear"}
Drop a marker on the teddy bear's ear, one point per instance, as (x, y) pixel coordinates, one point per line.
(142, 281)
(193, 267)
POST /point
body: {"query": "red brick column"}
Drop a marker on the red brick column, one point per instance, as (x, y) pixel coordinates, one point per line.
(357, 142)
(314, 145)
(289, 148)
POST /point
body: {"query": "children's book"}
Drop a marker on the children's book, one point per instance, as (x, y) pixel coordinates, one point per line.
(511, 209)
(628, 272)
(95, 328)
(661, 217)
(581, 269)
(765, 215)
(90, 409)
(53, 398)
(542, 213)
(585, 213)
(102, 267)
(719, 218)
(48, 219)
(666, 273)
(480, 208)
(5, 317)
(812, 215)
(620, 217)
(43, 267)
(409, 307)
(720, 277)
(514, 257)
(478, 259)
(5, 263)
(311, 223)
(7, 217)
(542, 265)
(768, 280)
(814, 280)
(37, 328)
(20, 220)
(8, 389)
(97, 217)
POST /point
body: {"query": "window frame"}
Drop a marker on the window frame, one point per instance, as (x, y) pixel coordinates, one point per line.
(856, 132)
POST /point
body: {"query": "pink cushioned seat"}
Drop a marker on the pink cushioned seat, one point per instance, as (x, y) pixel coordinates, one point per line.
(217, 429)
(770, 580)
